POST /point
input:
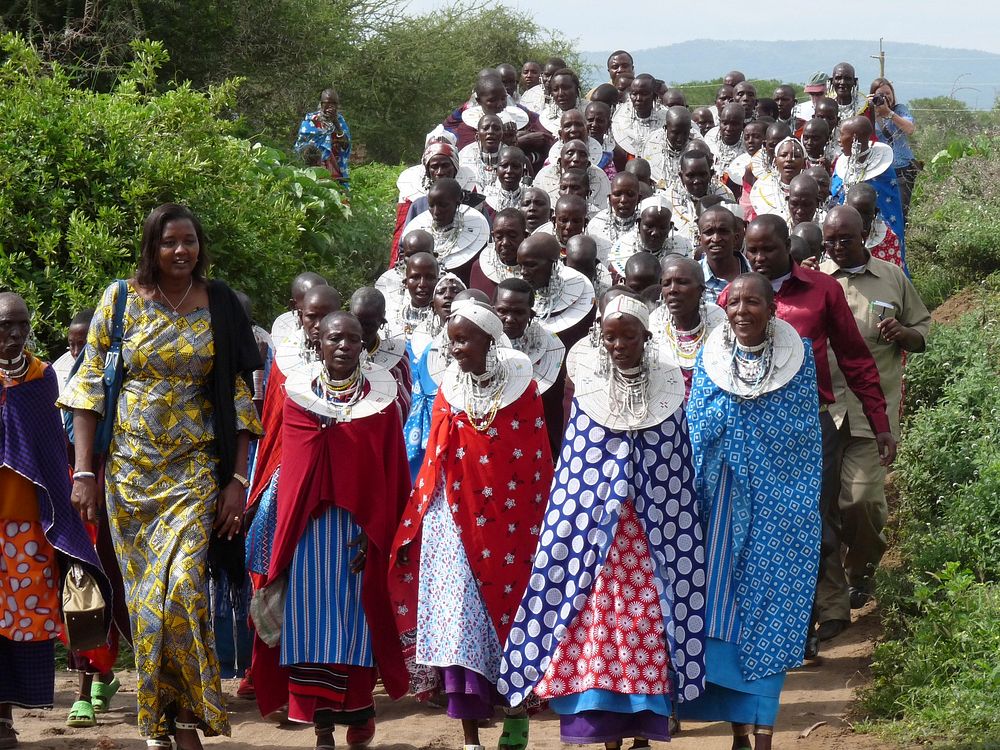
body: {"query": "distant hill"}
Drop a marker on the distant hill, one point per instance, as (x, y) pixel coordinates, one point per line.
(917, 70)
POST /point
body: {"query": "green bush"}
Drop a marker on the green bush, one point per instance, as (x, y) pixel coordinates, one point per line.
(953, 232)
(936, 676)
(363, 244)
(81, 170)
(941, 682)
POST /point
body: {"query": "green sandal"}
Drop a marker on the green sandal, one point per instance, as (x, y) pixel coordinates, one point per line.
(101, 694)
(515, 733)
(81, 715)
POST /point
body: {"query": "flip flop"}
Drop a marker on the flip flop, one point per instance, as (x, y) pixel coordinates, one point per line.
(101, 694)
(81, 715)
(515, 733)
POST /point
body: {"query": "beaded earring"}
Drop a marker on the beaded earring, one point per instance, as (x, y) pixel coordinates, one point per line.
(649, 352)
(727, 335)
(604, 362)
(491, 357)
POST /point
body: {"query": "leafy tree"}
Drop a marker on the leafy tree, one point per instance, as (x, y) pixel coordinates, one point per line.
(82, 169)
(405, 80)
(397, 75)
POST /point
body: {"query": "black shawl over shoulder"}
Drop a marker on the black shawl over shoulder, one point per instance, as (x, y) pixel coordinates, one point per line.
(236, 355)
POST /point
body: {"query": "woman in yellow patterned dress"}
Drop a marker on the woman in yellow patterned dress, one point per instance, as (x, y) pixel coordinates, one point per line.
(175, 471)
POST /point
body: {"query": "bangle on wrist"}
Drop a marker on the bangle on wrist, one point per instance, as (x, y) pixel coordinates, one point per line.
(242, 480)
(84, 475)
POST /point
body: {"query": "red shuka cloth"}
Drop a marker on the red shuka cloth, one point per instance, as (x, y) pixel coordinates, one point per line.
(358, 466)
(497, 486)
(269, 446)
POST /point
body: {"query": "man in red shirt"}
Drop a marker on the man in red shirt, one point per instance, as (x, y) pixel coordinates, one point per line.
(815, 305)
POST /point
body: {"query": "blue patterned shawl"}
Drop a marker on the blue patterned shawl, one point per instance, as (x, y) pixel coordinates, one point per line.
(771, 447)
(600, 469)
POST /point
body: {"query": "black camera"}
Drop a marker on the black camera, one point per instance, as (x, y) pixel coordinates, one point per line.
(878, 100)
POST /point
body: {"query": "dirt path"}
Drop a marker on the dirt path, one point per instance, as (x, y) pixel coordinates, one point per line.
(817, 693)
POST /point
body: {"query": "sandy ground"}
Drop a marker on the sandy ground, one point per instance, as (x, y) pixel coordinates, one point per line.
(818, 693)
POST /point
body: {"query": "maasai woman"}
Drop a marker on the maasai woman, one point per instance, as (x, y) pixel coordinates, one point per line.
(880, 240)
(508, 188)
(383, 347)
(564, 86)
(653, 233)
(297, 352)
(176, 469)
(522, 126)
(769, 194)
(575, 155)
(609, 627)
(392, 283)
(512, 302)
(680, 326)
(440, 159)
(498, 261)
(864, 161)
(621, 215)
(696, 183)
(429, 335)
(573, 127)
(756, 435)
(462, 554)
(42, 534)
(598, 116)
(664, 149)
(459, 232)
(326, 130)
(480, 157)
(726, 142)
(640, 118)
(335, 525)
(536, 205)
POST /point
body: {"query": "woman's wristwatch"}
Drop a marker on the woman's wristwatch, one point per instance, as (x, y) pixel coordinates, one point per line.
(242, 480)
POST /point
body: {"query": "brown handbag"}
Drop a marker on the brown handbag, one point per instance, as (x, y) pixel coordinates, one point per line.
(83, 610)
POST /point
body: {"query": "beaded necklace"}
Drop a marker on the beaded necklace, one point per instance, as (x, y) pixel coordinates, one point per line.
(446, 238)
(727, 152)
(483, 395)
(499, 269)
(685, 344)
(486, 165)
(628, 392)
(342, 395)
(13, 369)
(642, 128)
(857, 167)
(530, 340)
(753, 366)
(618, 226)
(411, 317)
(501, 198)
(546, 297)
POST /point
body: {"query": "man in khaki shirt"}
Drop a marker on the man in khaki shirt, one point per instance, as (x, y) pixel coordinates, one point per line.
(893, 320)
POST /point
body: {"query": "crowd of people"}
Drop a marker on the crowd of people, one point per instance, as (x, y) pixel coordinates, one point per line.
(607, 438)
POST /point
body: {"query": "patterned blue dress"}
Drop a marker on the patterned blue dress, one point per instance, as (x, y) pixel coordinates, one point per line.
(759, 464)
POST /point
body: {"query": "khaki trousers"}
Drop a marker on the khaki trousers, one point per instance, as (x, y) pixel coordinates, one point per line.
(858, 520)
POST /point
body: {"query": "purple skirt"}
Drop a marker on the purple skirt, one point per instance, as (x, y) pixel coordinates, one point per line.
(470, 695)
(588, 727)
(29, 673)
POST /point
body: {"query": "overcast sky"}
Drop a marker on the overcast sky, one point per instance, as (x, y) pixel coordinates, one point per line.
(654, 23)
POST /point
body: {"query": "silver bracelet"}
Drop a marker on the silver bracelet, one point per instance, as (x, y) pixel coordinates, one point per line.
(84, 475)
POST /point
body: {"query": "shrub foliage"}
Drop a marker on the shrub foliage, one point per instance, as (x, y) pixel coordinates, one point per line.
(82, 170)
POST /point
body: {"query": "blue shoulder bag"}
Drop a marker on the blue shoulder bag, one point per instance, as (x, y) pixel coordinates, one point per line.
(114, 375)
